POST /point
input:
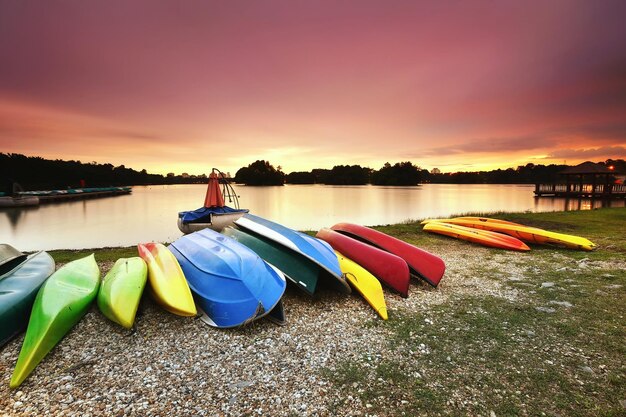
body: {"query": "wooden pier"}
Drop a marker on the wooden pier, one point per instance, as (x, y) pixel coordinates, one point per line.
(577, 190)
(55, 196)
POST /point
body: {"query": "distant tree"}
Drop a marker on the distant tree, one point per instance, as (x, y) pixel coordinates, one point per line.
(301, 177)
(348, 175)
(260, 173)
(401, 173)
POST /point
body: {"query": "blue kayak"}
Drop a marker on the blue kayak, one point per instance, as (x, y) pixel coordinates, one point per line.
(315, 250)
(231, 284)
(18, 289)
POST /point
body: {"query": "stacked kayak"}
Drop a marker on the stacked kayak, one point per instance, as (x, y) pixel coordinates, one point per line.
(524, 233)
(18, 289)
(168, 285)
(421, 263)
(121, 290)
(482, 237)
(297, 269)
(390, 269)
(232, 284)
(303, 245)
(60, 303)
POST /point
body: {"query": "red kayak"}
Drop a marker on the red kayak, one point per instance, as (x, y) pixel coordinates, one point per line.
(387, 267)
(421, 263)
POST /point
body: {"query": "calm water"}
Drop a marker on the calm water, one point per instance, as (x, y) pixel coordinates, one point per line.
(150, 213)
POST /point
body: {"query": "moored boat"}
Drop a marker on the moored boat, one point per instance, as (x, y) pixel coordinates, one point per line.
(421, 263)
(61, 302)
(232, 285)
(25, 201)
(390, 269)
(167, 283)
(121, 289)
(18, 289)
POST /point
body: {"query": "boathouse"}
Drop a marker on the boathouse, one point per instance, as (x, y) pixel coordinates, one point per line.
(584, 180)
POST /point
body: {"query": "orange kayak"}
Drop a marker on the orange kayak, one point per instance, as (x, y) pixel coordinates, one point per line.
(482, 237)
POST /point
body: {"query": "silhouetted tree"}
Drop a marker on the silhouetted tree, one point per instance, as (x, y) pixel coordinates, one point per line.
(401, 173)
(260, 173)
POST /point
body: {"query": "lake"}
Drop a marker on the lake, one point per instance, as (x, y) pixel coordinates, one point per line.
(150, 212)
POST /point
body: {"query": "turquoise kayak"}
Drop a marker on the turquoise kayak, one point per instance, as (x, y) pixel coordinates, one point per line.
(18, 289)
(61, 302)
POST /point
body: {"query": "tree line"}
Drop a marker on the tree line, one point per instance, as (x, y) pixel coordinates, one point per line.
(36, 173)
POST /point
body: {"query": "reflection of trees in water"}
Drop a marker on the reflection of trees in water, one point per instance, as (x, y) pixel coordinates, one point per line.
(16, 214)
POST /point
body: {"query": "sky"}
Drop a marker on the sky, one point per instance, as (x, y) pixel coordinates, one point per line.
(172, 86)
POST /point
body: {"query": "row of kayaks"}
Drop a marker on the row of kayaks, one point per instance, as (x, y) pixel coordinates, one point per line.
(503, 234)
(230, 279)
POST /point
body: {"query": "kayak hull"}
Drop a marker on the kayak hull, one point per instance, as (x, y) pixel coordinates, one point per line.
(18, 289)
(299, 270)
(60, 303)
(121, 289)
(314, 249)
(365, 283)
(390, 269)
(481, 237)
(232, 285)
(168, 285)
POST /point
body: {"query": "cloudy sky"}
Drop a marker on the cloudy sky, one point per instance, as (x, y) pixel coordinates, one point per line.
(185, 86)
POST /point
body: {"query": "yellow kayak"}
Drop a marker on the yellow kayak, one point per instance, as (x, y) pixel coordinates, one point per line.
(525, 233)
(167, 281)
(365, 283)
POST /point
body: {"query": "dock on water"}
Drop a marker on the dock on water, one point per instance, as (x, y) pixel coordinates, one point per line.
(587, 180)
(54, 196)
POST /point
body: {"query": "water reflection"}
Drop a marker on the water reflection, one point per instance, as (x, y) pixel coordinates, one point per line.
(149, 213)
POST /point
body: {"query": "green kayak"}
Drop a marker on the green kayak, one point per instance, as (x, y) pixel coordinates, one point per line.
(18, 289)
(299, 270)
(121, 289)
(61, 302)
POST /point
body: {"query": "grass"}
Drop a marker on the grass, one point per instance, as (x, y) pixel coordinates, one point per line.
(102, 254)
(557, 349)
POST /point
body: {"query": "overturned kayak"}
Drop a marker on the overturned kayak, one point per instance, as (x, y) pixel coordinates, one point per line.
(18, 289)
(300, 270)
(525, 233)
(168, 285)
(314, 249)
(231, 283)
(390, 269)
(60, 303)
(365, 283)
(121, 290)
(482, 237)
(421, 263)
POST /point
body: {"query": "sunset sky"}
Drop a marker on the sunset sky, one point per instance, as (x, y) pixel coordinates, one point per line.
(185, 86)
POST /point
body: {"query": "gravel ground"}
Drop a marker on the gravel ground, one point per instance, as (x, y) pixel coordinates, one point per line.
(179, 366)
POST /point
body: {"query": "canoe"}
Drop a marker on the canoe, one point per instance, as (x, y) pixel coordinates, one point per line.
(168, 285)
(525, 233)
(299, 270)
(421, 263)
(18, 289)
(10, 258)
(482, 237)
(121, 290)
(61, 302)
(390, 269)
(216, 218)
(314, 249)
(365, 283)
(232, 285)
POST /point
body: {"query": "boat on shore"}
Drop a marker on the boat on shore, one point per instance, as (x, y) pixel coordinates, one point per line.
(26, 201)
(215, 214)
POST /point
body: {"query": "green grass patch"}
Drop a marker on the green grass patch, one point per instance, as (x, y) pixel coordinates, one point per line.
(102, 254)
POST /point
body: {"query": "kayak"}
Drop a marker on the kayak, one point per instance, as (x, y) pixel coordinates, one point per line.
(232, 285)
(482, 237)
(365, 283)
(390, 269)
(168, 285)
(314, 249)
(18, 289)
(121, 290)
(60, 303)
(298, 269)
(9, 258)
(421, 263)
(525, 233)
